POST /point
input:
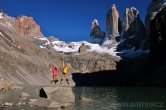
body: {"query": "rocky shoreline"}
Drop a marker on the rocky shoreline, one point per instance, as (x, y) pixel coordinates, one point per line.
(38, 96)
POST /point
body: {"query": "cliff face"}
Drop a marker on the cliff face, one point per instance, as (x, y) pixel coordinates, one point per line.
(133, 30)
(112, 20)
(155, 33)
(155, 26)
(152, 10)
(92, 62)
(26, 26)
(23, 25)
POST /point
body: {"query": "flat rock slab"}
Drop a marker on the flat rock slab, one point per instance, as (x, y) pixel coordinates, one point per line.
(46, 103)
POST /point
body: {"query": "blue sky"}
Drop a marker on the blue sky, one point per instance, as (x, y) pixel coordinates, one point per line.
(69, 20)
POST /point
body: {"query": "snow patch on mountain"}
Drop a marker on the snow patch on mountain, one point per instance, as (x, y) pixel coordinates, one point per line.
(1, 15)
(66, 47)
(102, 49)
(73, 47)
(107, 42)
(47, 42)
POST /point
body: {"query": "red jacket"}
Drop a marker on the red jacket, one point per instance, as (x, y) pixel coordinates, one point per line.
(54, 71)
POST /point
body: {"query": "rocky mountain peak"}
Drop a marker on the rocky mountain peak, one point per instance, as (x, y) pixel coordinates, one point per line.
(114, 10)
(133, 30)
(97, 35)
(94, 23)
(1, 14)
(153, 9)
(129, 17)
(112, 22)
(134, 11)
(23, 25)
(26, 26)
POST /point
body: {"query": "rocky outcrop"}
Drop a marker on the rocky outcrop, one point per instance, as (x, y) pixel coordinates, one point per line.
(112, 23)
(96, 34)
(155, 28)
(52, 38)
(130, 15)
(83, 48)
(56, 97)
(23, 25)
(154, 7)
(26, 26)
(5, 84)
(154, 74)
(133, 30)
(92, 62)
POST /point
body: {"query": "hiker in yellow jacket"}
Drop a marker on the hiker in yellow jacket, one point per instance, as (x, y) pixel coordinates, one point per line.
(64, 71)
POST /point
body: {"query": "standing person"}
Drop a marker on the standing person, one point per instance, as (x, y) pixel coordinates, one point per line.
(54, 72)
(64, 71)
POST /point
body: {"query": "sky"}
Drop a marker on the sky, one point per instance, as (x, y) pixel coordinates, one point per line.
(70, 20)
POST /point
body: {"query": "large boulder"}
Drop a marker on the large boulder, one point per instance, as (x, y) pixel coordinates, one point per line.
(55, 97)
(83, 49)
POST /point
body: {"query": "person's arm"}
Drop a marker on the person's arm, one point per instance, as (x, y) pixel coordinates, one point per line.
(63, 64)
(68, 66)
(51, 67)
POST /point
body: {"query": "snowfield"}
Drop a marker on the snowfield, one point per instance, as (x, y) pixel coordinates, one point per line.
(1, 15)
(74, 46)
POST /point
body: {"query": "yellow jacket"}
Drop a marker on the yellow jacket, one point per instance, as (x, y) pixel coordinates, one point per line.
(65, 68)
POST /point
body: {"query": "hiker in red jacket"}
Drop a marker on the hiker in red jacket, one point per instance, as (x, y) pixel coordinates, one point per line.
(54, 72)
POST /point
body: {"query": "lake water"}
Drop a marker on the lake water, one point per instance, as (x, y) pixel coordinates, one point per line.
(98, 98)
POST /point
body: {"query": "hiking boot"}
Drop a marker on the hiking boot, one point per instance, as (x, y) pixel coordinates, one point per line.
(61, 81)
(67, 81)
(55, 82)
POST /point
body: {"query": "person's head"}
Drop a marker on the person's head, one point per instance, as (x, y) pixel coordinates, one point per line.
(55, 68)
